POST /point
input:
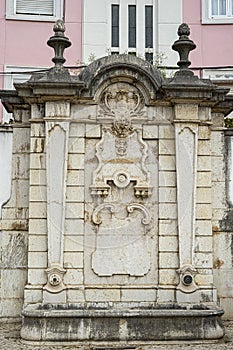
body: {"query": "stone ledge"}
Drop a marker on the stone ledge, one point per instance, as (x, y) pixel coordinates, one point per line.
(70, 322)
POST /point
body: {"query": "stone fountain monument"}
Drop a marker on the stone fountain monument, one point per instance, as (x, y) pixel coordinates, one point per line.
(119, 206)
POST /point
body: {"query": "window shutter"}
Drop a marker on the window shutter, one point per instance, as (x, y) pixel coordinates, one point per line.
(35, 7)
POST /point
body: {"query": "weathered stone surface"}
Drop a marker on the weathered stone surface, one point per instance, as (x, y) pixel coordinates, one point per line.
(14, 247)
(161, 323)
(127, 190)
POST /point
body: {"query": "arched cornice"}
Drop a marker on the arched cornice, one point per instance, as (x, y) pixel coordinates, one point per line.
(121, 68)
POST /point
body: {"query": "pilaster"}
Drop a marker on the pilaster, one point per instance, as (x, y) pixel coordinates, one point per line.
(57, 134)
(186, 139)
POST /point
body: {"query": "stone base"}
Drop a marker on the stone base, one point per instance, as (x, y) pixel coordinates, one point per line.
(58, 322)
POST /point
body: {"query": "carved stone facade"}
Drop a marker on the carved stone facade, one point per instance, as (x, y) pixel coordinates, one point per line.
(121, 197)
(120, 174)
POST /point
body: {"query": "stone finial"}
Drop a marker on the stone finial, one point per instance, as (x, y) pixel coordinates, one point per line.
(183, 30)
(59, 42)
(183, 46)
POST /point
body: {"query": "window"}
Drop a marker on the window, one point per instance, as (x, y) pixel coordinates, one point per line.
(148, 26)
(218, 8)
(115, 25)
(132, 25)
(217, 11)
(149, 33)
(222, 77)
(37, 10)
(132, 28)
(218, 74)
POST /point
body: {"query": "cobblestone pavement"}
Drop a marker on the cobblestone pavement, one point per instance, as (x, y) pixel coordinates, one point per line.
(10, 340)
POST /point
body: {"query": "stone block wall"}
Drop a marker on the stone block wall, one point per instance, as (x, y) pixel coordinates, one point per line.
(82, 141)
(222, 214)
(167, 230)
(37, 245)
(85, 173)
(14, 223)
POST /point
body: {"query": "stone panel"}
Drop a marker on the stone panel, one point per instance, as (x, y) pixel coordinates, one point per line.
(75, 177)
(103, 295)
(168, 276)
(37, 260)
(168, 260)
(74, 226)
(33, 296)
(204, 195)
(203, 227)
(73, 277)
(167, 195)
(167, 178)
(134, 295)
(167, 210)
(74, 194)
(204, 147)
(74, 210)
(37, 243)
(38, 226)
(168, 244)
(218, 168)
(74, 243)
(37, 276)
(77, 130)
(75, 296)
(73, 260)
(166, 131)
(167, 147)
(167, 227)
(13, 283)
(204, 132)
(14, 247)
(76, 145)
(203, 179)
(167, 163)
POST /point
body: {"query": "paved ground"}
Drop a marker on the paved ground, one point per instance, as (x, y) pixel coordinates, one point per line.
(10, 340)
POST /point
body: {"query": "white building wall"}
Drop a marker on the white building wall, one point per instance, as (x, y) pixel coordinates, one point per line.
(96, 31)
(169, 18)
(5, 165)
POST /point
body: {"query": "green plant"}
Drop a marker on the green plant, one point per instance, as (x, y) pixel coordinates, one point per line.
(92, 57)
(228, 122)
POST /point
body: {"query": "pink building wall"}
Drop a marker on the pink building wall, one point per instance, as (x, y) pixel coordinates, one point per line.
(23, 43)
(214, 41)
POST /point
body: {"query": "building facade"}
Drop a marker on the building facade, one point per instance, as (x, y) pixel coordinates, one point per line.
(211, 24)
(25, 26)
(137, 27)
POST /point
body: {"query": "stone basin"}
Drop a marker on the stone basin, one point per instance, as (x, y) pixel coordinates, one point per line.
(162, 322)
